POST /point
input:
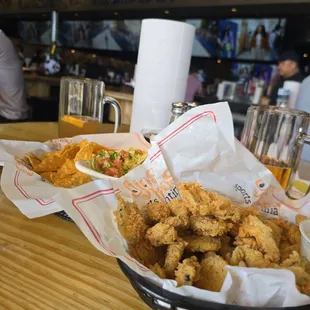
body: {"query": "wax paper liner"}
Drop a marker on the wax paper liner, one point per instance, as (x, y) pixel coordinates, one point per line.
(27, 190)
(199, 146)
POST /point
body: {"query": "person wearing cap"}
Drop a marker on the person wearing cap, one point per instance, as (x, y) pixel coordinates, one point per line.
(288, 69)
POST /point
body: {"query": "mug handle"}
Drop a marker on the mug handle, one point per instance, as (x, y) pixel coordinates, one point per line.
(304, 139)
(118, 111)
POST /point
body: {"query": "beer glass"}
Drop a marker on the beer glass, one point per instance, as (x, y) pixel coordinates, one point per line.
(81, 107)
(276, 137)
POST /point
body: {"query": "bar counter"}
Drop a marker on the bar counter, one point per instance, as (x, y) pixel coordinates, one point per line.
(47, 263)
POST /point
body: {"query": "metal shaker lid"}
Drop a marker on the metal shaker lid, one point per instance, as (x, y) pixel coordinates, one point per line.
(191, 105)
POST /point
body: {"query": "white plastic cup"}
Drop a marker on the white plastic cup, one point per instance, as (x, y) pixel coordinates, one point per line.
(305, 238)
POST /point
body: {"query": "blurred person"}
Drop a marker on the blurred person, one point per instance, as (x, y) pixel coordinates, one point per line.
(288, 69)
(97, 70)
(38, 58)
(259, 43)
(13, 106)
(194, 86)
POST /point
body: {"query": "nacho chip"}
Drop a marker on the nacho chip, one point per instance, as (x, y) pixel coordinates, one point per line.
(49, 176)
(33, 160)
(70, 153)
(50, 164)
(74, 180)
(87, 151)
(67, 169)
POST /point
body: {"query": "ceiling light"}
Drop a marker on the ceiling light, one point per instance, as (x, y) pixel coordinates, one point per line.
(167, 12)
(219, 61)
(305, 55)
(234, 10)
(115, 13)
(72, 51)
(94, 55)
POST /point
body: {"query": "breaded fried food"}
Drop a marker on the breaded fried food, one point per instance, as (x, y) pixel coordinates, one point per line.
(294, 235)
(173, 257)
(254, 227)
(245, 212)
(208, 226)
(276, 231)
(293, 260)
(249, 241)
(162, 234)
(178, 207)
(158, 271)
(244, 255)
(202, 203)
(202, 243)
(284, 225)
(155, 212)
(226, 247)
(223, 208)
(286, 249)
(145, 253)
(130, 221)
(213, 273)
(302, 279)
(195, 198)
(188, 271)
(178, 222)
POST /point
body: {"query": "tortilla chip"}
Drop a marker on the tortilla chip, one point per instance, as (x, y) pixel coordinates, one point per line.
(70, 153)
(87, 151)
(67, 169)
(74, 180)
(49, 176)
(50, 164)
(33, 160)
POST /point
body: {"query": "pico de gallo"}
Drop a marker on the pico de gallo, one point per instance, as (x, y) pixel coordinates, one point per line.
(117, 163)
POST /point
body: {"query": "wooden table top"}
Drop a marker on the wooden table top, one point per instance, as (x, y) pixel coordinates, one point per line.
(47, 263)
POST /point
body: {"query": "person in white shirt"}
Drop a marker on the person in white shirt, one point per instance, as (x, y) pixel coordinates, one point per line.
(13, 105)
(303, 104)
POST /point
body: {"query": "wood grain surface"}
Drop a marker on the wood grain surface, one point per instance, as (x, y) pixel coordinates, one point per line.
(47, 263)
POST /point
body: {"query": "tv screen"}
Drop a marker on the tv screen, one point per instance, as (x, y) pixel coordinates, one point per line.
(246, 39)
(35, 32)
(113, 35)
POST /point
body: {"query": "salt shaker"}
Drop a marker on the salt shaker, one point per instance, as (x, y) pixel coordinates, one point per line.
(191, 105)
(178, 108)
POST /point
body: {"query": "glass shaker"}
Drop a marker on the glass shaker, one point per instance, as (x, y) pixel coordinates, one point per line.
(178, 108)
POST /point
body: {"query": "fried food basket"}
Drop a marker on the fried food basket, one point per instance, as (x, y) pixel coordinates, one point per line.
(159, 299)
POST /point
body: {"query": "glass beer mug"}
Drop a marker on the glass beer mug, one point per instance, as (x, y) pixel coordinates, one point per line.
(81, 106)
(276, 137)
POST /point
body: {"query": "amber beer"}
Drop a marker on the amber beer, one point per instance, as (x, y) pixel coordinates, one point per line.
(81, 107)
(276, 137)
(280, 170)
(70, 126)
